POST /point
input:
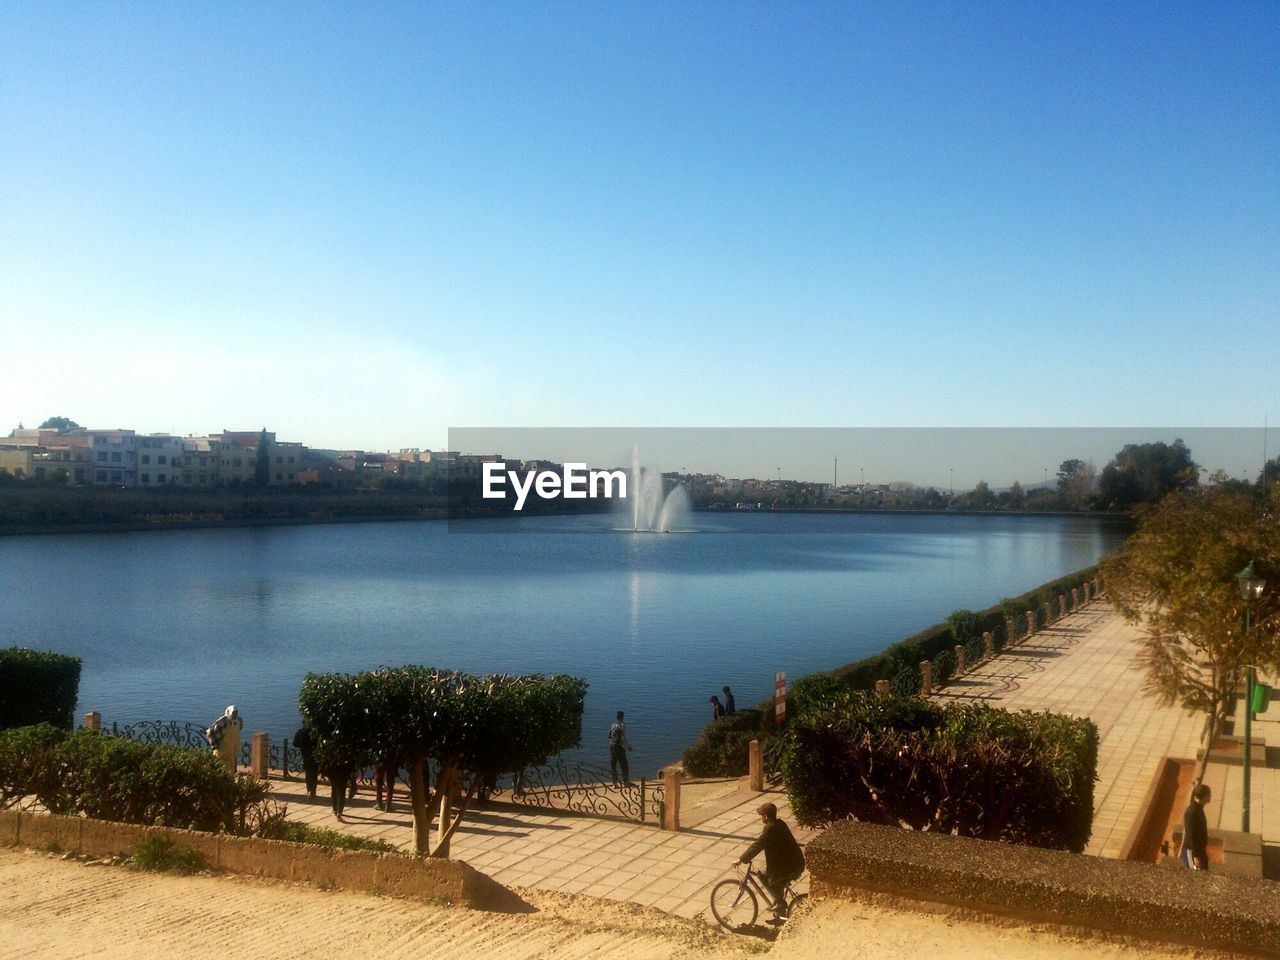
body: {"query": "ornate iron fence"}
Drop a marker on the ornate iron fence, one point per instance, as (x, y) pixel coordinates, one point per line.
(906, 682)
(944, 667)
(584, 789)
(973, 652)
(174, 732)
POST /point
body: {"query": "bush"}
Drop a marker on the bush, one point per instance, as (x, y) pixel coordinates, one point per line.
(126, 781)
(295, 832)
(721, 751)
(971, 770)
(37, 687)
(163, 856)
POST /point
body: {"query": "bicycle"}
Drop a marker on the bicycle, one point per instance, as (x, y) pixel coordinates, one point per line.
(736, 903)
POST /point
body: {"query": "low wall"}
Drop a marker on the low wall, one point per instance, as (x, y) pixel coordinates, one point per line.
(1160, 903)
(405, 876)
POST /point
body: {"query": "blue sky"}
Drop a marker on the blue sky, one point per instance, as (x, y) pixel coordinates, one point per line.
(365, 225)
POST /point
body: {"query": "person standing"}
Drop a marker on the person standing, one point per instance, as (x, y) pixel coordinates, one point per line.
(783, 858)
(224, 737)
(717, 709)
(385, 773)
(618, 747)
(729, 708)
(310, 768)
(1195, 830)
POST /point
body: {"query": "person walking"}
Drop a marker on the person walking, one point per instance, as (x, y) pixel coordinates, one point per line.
(385, 773)
(1195, 830)
(618, 747)
(310, 768)
(783, 858)
(729, 708)
(224, 737)
(717, 709)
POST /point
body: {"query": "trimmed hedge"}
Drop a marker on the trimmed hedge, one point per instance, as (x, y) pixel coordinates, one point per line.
(970, 770)
(38, 687)
(126, 781)
(721, 751)
(928, 643)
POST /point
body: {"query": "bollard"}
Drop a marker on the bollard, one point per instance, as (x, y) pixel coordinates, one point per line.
(988, 646)
(959, 660)
(93, 720)
(755, 766)
(926, 678)
(258, 756)
(671, 808)
(883, 688)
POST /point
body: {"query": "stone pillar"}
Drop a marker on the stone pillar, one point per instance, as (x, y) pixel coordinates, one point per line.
(671, 803)
(1031, 623)
(93, 720)
(258, 756)
(1046, 613)
(1062, 605)
(988, 646)
(959, 660)
(755, 766)
(1011, 633)
(883, 688)
(1087, 588)
(926, 678)
(1075, 598)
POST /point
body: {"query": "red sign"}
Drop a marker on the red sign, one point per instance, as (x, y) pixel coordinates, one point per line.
(780, 697)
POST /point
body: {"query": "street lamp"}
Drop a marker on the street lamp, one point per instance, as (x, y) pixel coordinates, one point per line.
(1251, 587)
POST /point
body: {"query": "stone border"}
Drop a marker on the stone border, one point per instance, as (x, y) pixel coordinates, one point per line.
(364, 870)
(1158, 903)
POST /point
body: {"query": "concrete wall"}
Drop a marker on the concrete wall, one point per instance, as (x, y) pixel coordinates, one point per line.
(406, 876)
(1160, 903)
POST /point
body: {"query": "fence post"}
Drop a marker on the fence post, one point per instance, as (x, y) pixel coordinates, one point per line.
(284, 759)
(755, 766)
(642, 793)
(1011, 632)
(959, 660)
(1075, 598)
(258, 756)
(93, 720)
(926, 678)
(671, 800)
(1031, 623)
(1062, 605)
(883, 688)
(988, 645)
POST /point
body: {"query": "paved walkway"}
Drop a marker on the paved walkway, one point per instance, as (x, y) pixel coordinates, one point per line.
(1083, 665)
(617, 860)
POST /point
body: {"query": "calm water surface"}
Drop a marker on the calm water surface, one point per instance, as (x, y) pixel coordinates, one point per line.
(177, 624)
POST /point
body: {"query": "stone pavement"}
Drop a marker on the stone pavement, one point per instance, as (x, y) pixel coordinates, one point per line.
(617, 860)
(1083, 665)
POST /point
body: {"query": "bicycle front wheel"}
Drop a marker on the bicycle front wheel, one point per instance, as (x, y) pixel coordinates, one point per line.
(733, 904)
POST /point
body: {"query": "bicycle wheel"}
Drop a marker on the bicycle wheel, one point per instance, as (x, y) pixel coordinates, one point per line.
(734, 905)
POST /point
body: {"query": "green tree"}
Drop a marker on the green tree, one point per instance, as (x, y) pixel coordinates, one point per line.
(61, 424)
(1075, 483)
(1145, 472)
(262, 463)
(474, 729)
(1269, 475)
(1176, 577)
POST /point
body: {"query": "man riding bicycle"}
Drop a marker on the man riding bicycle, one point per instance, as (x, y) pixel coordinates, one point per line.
(783, 859)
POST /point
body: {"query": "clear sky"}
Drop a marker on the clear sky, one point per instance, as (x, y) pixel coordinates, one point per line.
(364, 225)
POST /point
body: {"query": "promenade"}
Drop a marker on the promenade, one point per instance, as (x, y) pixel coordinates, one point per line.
(1081, 665)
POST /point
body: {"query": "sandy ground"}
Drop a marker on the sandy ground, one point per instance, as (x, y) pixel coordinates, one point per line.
(53, 908)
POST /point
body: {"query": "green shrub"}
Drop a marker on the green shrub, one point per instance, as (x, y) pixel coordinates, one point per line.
(37, 687)
(127, 781)
(163, 856)
(971, 770)
(722, 749)
(295, 832)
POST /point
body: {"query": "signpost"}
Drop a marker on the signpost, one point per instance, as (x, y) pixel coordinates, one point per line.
(780, 697)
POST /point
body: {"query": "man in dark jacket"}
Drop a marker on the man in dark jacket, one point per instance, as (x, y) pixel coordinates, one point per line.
(783, 859)
(1195, 831)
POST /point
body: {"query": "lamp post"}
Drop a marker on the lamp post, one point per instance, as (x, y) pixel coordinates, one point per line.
(1251, 587)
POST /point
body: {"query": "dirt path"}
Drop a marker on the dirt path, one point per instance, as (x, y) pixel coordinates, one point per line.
(51, 908)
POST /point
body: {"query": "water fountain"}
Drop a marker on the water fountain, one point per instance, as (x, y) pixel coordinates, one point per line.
(652, 510)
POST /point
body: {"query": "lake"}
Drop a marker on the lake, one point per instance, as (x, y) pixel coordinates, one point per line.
(174, 625)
